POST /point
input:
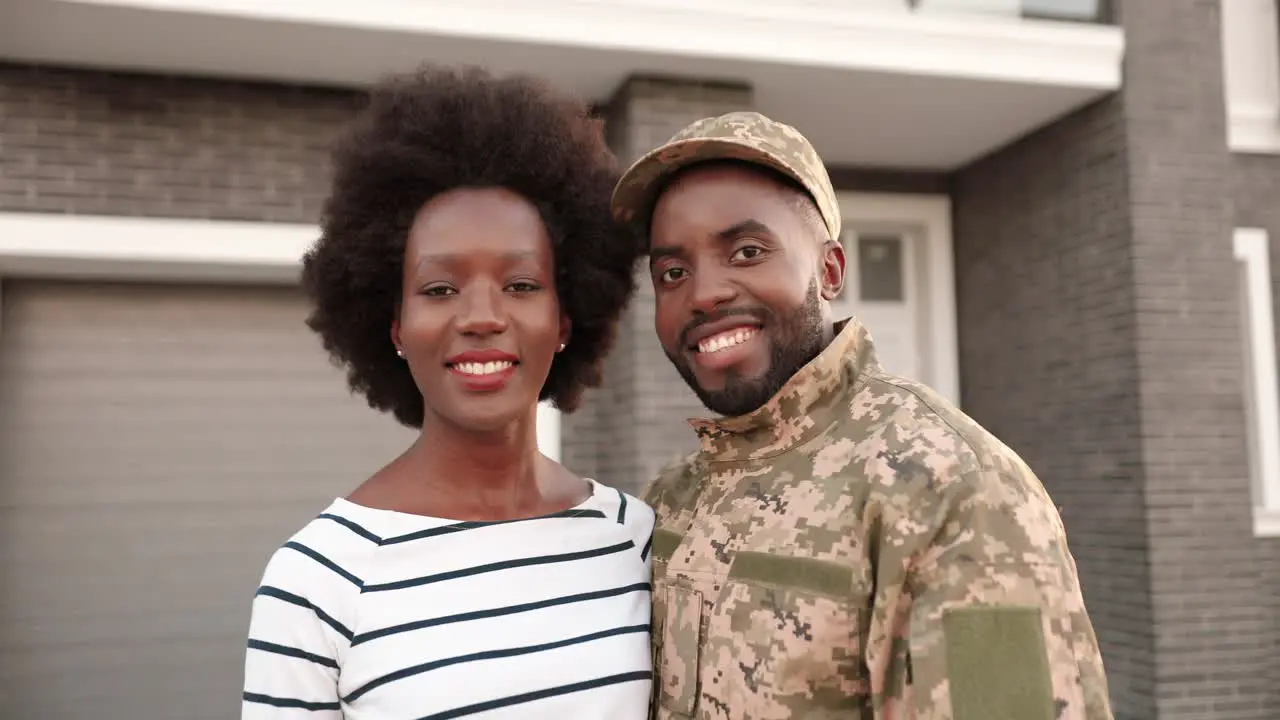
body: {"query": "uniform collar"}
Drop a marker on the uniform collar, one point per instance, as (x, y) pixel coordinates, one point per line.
(809, 402)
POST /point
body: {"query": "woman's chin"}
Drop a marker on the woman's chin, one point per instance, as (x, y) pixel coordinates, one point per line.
(489, 416)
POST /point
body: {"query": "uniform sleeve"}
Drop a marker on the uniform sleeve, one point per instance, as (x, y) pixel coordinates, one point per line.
(297, 635)
(980, 614)
(639, 519)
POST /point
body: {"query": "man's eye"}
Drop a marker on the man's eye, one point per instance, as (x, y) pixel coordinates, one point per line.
(671, 274)
(748, 253)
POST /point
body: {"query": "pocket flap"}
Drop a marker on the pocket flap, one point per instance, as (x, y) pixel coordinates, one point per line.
(800, 573)
(681, 648)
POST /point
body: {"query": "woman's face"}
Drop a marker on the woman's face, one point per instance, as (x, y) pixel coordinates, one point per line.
(479, 320)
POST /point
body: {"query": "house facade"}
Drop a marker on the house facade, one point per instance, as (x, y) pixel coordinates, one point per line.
(1060, 213)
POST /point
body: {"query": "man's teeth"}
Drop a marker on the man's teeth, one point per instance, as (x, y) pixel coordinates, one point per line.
(485, 368)
(716, 343)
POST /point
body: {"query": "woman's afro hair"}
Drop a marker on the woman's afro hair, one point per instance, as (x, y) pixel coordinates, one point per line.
(435, 130)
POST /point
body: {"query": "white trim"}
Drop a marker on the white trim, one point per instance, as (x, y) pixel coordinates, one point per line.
(549, 440)
(1251, 247)
(835, 34)
(1251, 75)
(88, 247)
(932, 215)
(151, 249)
(1266, 523)
(1253, 130)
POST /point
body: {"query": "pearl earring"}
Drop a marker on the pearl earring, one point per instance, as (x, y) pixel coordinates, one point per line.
(400, 353)
(561, 348)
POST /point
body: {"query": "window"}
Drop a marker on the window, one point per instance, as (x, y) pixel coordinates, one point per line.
(1262, 397)
(1251, 75)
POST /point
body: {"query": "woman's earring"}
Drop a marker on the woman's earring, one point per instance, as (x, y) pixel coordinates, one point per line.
(561, 348)
(400, 353)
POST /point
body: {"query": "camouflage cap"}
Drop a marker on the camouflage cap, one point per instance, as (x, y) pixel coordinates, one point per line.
(746, 136)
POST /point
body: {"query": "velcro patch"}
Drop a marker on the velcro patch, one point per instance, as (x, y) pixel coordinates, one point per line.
(665, 543)
(997, 664)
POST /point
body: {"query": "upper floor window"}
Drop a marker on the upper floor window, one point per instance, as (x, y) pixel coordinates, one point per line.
(1251, 74)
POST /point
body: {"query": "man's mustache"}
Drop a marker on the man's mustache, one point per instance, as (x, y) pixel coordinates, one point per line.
(755, 315)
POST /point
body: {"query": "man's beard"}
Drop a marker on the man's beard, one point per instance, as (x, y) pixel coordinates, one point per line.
(794, 339)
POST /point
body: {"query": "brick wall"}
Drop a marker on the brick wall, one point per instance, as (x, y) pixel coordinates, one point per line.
(1044, 285)
(1210, 621)
(1100, 336)
(1256, 185)
(122, 144)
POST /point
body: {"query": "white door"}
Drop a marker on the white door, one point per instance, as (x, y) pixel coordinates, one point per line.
(900, 282)
(882, 291)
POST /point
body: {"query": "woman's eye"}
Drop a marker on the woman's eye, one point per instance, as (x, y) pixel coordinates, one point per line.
(438, 291)
(523, 287)
(671, 274)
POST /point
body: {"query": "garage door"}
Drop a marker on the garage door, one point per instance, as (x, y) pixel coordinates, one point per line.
(156, 444)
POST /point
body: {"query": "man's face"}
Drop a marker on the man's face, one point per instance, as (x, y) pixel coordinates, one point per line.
(743, 280)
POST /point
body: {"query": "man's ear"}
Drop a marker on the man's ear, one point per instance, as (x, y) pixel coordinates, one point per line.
(833, 268)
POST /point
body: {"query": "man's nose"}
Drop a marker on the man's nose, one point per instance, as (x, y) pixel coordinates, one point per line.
(711, 289)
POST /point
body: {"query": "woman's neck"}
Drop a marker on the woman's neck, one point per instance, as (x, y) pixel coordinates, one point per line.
(500, 473)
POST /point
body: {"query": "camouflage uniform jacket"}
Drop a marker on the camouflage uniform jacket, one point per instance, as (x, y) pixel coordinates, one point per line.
(859, 548)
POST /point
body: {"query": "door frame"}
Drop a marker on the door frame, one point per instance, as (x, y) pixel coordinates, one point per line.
(929, 217)
(171, 250)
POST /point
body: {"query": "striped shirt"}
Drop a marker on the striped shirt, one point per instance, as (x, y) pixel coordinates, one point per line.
(370, 614)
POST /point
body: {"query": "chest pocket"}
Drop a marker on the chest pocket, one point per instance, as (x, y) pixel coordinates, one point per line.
(677, 635)
(792, 630)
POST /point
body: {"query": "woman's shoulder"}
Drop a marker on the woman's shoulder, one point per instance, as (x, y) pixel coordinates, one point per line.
(328, 553)
(625, 508)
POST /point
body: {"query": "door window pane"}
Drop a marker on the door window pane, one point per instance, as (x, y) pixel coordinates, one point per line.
(880, 271)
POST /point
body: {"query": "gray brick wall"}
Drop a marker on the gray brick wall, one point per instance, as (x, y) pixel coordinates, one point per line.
(1048, 361)
(121, 144)
(1211, 623)
(1100, 336)
(1256, 190)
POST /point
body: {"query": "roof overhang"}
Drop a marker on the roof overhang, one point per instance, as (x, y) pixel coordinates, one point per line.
(873, 87)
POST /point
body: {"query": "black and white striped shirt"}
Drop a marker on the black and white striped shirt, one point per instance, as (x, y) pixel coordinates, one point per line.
(370, 614)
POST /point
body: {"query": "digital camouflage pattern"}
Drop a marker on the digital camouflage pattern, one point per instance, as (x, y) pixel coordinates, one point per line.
(860, 548)
(747, 136)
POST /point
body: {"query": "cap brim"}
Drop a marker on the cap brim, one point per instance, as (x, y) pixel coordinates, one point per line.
(636, 191)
